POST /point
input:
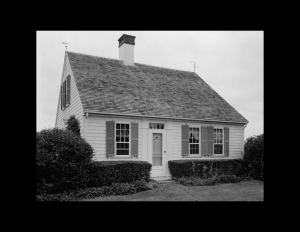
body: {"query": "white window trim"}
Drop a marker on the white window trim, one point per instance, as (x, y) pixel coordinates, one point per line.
(195, 155)
(219, 155)
(129, 146)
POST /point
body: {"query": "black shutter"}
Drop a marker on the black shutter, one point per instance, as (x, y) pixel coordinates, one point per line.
(61, 97)
(226, 141)
(185, 140)
(134, 139)
(203, 141)
(210, 140)
(110, 138)
(68, 89)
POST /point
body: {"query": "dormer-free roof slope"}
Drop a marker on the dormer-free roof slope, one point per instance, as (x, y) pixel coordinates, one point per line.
(108, 86)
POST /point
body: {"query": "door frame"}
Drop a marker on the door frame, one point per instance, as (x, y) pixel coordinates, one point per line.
(158, 170)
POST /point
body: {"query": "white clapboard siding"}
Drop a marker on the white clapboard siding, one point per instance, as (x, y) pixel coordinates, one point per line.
(75, 108)
(236, 139)
(96, 135)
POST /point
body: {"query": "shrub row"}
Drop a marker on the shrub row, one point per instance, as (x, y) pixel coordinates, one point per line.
(222, 179)
(104, 173)
(207, 168)
(114, 189)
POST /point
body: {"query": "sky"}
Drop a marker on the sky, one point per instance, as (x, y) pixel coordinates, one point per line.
(231, 62)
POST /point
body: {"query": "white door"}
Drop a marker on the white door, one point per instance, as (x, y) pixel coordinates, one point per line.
(157, 152)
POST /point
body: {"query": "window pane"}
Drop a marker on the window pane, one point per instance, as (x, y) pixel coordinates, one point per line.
(126, 139)
(127, 132)
(127, 126)
(162, 126)
(221, 141)
(118, 132)
(118, 126)
(158, 126)
(118, 138)
(154, 125)
(122, 126)
(122, 139)
(126, 145)
(150, 125)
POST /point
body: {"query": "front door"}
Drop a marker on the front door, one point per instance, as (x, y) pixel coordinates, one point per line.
(157, 152)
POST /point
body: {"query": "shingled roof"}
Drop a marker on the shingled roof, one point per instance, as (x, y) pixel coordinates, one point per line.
(108, 86)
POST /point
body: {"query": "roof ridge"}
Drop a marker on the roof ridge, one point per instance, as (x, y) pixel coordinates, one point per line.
(134, 62)
(93, 55)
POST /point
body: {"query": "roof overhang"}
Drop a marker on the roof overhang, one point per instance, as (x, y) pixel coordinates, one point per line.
(163, 118)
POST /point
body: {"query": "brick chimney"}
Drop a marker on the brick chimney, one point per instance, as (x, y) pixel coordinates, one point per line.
(126, 49)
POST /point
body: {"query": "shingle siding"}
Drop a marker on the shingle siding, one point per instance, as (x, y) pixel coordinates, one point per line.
(75, 108)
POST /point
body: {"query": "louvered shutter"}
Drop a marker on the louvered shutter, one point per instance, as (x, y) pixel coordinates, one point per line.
(61, 97)
(210, 140)
(185, 140)
(64, 95)
(134, 139)
(68, 89)
(110, 138)
(226, 141)
(203, 141)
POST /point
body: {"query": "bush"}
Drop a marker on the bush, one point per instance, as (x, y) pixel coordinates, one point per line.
(114, 189)
(254, 155)
(62, 161)
(108, 172)
(73, 125)
(206, 168)
(222, 179)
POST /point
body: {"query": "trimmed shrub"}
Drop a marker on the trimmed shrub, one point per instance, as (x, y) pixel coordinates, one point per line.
(73, 125)
(206, 168)
(104, 173)
(62, 161)
(222, 179)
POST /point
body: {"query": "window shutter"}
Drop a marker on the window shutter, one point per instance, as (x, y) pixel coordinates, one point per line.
(64, 94)
(68, 90)
(185, 140)
(134, 139)
(210, 140)
(61, 97)
(226, 141)
(203, 140)
(110, 138)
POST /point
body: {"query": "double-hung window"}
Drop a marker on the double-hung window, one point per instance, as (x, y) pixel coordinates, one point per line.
(218, 141)
(194, 141)
(122, 138)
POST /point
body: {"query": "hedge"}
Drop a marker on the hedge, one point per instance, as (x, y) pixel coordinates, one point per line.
(206, 168)
(105, 173)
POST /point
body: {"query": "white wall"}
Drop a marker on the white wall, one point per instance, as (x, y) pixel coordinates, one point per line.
(75, 108)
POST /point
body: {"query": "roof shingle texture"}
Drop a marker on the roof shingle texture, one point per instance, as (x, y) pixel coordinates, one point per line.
(108, 86)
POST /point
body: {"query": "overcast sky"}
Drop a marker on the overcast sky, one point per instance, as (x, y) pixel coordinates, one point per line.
(231, 62)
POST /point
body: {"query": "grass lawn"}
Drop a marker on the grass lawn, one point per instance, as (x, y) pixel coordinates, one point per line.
(242, 191)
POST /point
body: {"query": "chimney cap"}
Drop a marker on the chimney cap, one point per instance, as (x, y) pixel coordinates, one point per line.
(128, 39)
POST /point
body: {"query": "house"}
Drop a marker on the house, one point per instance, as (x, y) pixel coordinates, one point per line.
(133, 111)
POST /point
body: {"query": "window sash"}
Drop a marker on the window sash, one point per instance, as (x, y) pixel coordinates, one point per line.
(122, 139)
(194, 141)
(159, 126)
(218, 137)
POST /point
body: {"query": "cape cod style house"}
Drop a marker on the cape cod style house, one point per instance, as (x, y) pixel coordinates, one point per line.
(132, 111)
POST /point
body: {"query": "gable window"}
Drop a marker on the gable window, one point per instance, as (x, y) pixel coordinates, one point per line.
(156, 126)
(122, 138)
(218, 141)
(194, 140)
